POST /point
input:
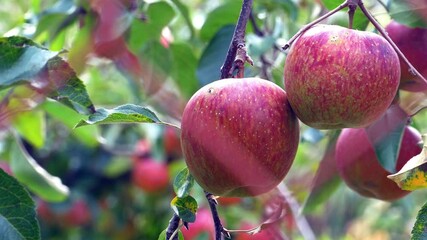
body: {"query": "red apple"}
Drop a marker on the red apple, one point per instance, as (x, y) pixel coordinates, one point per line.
(172, 142)
(413, 44)
(203, 225)
(269, 233)
(239, 136)
(151, 176)
(78, 215)
(141, 151)
(360, 169)
(337, 77)
(229, 201)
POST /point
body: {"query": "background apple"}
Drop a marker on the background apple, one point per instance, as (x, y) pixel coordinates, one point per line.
(359, 167)
(172, 143)
(337, 77)
(150, 175)
(413, 44)
(203, 225)
(239, 136)
(269, 233)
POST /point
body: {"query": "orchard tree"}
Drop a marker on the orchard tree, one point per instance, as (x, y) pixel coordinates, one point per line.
(170, 119)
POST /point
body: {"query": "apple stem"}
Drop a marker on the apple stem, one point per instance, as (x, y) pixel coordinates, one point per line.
(382, 31)
(237, 52)
(310, 25)
(219, 229)
(351, 9)
(172, 228)
(295, 208)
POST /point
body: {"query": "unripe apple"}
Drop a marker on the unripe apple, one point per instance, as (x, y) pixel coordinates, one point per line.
(150, 176)
(338, 78)
(413, 44)
(360, 168)
(204, 224)
(239, 136)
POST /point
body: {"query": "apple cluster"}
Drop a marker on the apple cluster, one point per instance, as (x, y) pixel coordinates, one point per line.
(240, 136)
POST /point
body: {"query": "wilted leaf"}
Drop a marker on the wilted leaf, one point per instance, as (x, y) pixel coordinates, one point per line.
(214, 55)
(419, 231)
(386, 134)
(183, 183)
(185, 208)
(33, 176)
(21, 60)
(326, 180)
(128, 113)
(17, 214)
(413, 174)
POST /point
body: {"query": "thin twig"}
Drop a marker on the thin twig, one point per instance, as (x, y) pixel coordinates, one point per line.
(238, 40)
(308, 26)
(351, 10)
(173, 227)
(382, 31)
(220, 231)
(300, 220)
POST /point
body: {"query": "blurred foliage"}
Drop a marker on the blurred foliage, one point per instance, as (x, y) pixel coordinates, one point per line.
(156, 54)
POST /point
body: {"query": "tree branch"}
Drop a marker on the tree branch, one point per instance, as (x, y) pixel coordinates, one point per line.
(238, 41)
(219, 229)
(173, 226)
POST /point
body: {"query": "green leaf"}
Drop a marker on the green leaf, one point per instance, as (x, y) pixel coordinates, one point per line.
(326, 180)
(17, 214)
(184, 68)
(128, 113)
(406, 14)
(419, 231)
(68, 89)
(68, 117)
(159, 14)
(386, 135)
(162, 235)
(33, 176)
(21, 60)
(226, 14)
(185, 208)
(183, 10)
(183, 183)
(31, 126)
(360, 21)
(214, 55)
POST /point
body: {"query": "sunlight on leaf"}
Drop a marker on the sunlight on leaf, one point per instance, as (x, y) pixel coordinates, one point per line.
(413, 174)
(419, 231)
(185, 208)
(183, 183)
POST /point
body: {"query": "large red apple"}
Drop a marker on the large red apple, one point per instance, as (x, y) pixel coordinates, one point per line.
(239, 136)
(337, 77)
(359, 167)
(151, 176)
(413, 44)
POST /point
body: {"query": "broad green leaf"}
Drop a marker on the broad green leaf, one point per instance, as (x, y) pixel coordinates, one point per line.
(183, 183)
(33, 176)
(17, 211)
(360, 21)
(21, 60)
(155, 53)
(68, 117)
(386, 135)
(226, 14)
(162, 235)
(184, 68)
(67, 88)
(31, 126)
(413, 174)
(159, 14)
(128, 113)
(407, 12)
(214, 55)
(326, 180)
(419, 231)
(185, 208)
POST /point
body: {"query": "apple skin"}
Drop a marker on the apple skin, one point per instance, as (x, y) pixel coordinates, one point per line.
(239, 136)
(360, 169)
(413, 44)
(337, 77)
(150, 176)
(203, 224)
